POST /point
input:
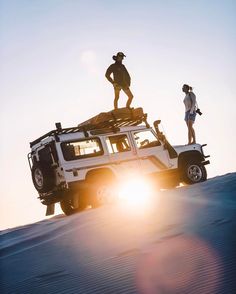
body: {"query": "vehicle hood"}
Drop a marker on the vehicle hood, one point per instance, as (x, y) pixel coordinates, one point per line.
(193, 147)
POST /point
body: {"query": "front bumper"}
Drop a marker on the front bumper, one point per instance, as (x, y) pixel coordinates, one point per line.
(205, 156)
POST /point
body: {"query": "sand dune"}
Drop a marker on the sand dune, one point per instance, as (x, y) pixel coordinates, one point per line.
(182, 242)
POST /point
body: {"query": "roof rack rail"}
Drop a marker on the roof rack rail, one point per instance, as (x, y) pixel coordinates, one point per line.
(56, 133)
(109, 121)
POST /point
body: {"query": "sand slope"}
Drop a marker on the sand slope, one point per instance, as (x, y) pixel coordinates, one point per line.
(184, 242)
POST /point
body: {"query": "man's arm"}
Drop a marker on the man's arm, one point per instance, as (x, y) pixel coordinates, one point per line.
(108, 74)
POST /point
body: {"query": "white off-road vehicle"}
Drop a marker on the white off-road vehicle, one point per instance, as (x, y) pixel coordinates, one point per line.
(79, 166)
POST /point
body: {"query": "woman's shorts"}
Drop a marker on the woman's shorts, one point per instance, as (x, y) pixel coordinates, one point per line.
(190, 116)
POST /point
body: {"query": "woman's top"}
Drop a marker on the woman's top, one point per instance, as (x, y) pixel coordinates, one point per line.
(190, 102)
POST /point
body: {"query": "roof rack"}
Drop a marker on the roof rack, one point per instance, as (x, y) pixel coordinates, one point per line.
(109, 121)
(56, 133)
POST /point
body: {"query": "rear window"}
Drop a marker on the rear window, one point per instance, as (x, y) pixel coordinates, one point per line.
(45, 155)
(48, 153)
(81, 149)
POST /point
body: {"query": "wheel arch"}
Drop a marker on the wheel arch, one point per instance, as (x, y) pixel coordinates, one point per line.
(184, 157)
(100, 172)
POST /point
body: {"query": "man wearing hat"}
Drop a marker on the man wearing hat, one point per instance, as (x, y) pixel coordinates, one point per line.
(121, 79)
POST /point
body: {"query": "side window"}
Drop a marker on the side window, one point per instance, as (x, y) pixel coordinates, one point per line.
(118, 144)
(81, 149)
(146, 139)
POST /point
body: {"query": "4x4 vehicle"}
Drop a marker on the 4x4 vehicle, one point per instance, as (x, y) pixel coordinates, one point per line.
(77, 166)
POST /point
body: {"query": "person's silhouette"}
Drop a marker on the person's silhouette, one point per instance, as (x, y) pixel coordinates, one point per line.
(190, 112)
(121, 79)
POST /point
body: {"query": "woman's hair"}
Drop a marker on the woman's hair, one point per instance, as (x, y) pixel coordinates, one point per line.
(189, 88)
(114, 57)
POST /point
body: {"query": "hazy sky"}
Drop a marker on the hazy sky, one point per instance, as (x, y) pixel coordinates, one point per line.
(53, 57)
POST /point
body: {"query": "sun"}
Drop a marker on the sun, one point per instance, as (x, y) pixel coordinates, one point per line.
(135, 192)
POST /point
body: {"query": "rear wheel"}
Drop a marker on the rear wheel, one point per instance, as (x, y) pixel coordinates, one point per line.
(194, 172)
(73, 203)
(101, 191)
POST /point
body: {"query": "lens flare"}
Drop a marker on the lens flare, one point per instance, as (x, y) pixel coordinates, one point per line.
(135, 192)
(182, 264)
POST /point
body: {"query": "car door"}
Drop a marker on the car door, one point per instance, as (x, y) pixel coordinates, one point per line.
(151, 153)
(122, 154)
(82, 155)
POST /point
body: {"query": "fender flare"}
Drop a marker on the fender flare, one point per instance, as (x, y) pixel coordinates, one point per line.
(100, 172)
(189, 155)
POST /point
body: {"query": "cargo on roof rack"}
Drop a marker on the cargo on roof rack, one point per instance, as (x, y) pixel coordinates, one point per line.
(116, 118)
(112, 120)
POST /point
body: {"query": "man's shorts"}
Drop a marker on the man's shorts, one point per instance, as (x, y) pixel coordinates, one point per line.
(190, 116)
(118, 88)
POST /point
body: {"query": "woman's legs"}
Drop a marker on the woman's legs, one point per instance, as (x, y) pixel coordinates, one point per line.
(191, 132)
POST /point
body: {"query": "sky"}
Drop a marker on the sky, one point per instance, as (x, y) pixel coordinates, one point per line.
(53, 57)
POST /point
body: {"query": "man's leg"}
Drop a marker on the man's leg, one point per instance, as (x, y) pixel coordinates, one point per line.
(130, 97)
(117, 95)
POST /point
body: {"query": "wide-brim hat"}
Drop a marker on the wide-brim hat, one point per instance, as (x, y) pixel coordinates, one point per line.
(118, 54)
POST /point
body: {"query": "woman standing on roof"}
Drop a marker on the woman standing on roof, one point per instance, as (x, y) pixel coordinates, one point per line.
(190, 112)
(121, 79)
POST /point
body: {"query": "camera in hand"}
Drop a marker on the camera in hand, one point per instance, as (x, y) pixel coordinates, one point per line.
(199, 111)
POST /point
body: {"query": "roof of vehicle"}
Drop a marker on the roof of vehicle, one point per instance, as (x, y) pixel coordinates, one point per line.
(114, 121)
(53, 135)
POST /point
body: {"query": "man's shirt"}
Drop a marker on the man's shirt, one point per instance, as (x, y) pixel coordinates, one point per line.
(120, 74)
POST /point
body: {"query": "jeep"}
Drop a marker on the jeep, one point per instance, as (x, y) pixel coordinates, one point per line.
(80, 166)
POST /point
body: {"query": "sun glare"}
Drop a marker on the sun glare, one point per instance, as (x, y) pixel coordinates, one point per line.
(135, 192)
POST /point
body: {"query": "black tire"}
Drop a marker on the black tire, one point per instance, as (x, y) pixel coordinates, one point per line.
(68, 205)
(43, 177)
(100, 191)
(194, 172)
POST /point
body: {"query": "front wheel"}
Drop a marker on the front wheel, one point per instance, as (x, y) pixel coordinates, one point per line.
(194, 172)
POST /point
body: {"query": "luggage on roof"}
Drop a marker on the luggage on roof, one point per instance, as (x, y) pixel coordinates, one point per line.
(111, 120)
(117, 117)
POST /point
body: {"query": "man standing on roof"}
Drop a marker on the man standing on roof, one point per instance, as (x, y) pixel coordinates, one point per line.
(121, 79)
